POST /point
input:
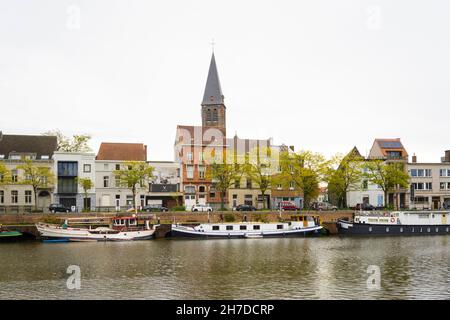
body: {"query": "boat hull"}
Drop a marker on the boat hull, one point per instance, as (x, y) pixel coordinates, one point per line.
(350, 228)
(82, 235)
(185, 233)
(8, 236)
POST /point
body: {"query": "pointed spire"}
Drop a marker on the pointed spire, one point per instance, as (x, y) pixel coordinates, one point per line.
(213, 92)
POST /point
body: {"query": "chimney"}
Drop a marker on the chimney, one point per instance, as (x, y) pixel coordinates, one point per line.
(414, 158)
(447, 156)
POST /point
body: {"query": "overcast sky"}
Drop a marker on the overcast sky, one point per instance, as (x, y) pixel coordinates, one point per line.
(319, 75)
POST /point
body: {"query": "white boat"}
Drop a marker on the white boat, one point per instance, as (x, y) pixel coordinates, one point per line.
(396, 223)
(299, 226)
(122, 229)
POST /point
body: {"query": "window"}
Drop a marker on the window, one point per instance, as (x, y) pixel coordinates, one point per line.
(215, 116)
(189, 189)
(87, 168)
(28, 196)
(292, 185)
(201, 189)
(14, 176)
(67, 168)
(2, 196)
(249, 183)
(208, 115)
(129, 200)
(15, 157)
(444, 172)
(212, 192)
(105, 182)
(67, 185)
(215, 228)
(200, 156)
(256, 227)
(444, 185)
(190, 156)
(237, 184)
(242, 227)
(117, 166)
(190, 171)
(229, 227)
(365, 185)
(279, 226)
(45, 157)
(14, 196)
(420, 172)
(422, 185)
(201, 172)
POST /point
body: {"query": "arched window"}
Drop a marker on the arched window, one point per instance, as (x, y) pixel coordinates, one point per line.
(201, 189)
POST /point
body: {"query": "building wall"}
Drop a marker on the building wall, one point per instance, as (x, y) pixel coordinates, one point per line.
(7, 190)
(438, 194)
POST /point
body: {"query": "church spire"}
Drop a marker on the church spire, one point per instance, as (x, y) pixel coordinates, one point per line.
(213, 92)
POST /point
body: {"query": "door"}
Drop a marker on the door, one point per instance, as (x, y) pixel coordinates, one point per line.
(436, 203)
(87, 204)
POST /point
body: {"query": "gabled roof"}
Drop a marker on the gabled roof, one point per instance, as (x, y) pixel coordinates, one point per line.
(122, 151)
(381, 147)
(354, 153)
(213, 91)
(28, 144)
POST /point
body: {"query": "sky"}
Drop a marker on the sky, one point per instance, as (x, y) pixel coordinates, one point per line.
(322, 75)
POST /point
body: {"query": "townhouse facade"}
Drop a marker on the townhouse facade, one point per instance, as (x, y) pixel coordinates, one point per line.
(15, 195)
(430, 184)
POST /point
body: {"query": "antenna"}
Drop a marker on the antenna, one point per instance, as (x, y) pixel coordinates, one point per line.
(212, 44)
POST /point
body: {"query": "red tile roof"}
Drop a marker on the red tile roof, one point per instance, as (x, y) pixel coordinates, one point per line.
(122, 151)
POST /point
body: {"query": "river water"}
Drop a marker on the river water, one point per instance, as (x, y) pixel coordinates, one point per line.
(285, 268)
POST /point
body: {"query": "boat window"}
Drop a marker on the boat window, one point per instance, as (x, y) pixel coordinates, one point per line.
(243, 227)
(279, 226)
(132, 222)
(215, 227)
(256, 227)
(229, 227)
(300, 218)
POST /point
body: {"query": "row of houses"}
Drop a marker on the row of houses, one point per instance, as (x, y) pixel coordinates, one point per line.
(429, 182)
(181, 181)
(184, 180)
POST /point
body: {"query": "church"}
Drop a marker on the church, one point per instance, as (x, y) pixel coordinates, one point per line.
(196, 147)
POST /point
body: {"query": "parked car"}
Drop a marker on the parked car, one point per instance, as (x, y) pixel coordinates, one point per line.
(155, 207)
(287, 206)
(57, 207)
(245, 207)
(365, 207)
(201, 207)
(323, 206)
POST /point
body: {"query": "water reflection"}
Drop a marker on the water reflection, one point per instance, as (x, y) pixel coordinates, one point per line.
(294, 268)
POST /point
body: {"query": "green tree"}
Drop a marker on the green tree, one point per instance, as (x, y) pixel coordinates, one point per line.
(306, 170)
(36, 176)
(346, 177)
(259, 167)
(389, 176)
(86, 184)
(78, 142)
(223, 176)
(133, 175)
(5, 174)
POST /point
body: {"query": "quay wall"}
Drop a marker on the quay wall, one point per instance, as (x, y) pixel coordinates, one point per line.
(25, 222)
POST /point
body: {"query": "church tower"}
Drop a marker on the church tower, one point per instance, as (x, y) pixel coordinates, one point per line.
(213, 107)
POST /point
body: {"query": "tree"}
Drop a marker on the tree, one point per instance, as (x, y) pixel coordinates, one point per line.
(346, 177)
(78, 142)
(259, 169)
(86, 184)
(306, 170)
(224, 176)
(133, 175)
(36, 176)
(5, 174)
(389, 176)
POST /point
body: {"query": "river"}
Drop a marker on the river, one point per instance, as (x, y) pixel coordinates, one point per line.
(286, 268)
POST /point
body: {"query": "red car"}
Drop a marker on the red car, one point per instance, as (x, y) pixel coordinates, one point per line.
(287, 206)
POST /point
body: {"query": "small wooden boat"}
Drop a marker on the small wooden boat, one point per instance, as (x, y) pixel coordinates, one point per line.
(121, 229)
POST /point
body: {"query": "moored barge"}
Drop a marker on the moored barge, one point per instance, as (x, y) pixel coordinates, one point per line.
(396, 223)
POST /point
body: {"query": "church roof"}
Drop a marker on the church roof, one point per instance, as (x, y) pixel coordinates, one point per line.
(213, 91)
